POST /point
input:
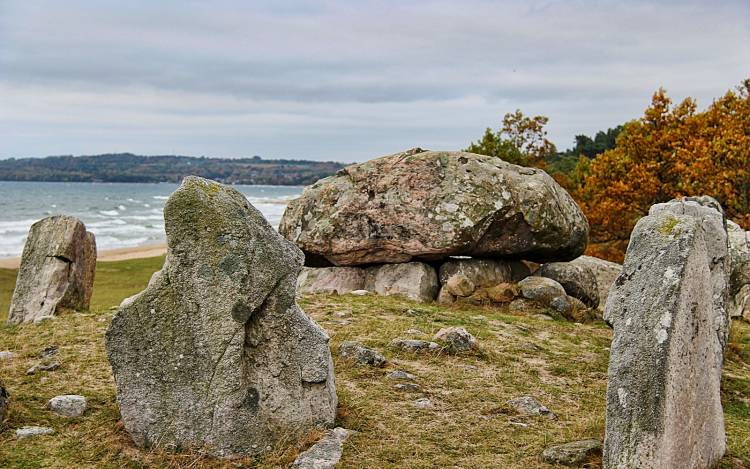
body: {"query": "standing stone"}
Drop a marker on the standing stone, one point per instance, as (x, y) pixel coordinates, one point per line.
(338, 280)
(429, 205)
(667, 308)
(578, 280)
(216, 354)
(57, 270)
(413, 280)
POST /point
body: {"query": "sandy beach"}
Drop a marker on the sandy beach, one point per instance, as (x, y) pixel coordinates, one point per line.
(121, 254)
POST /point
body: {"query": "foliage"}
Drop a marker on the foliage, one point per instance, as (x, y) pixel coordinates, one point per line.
(126, 167)
(521, 140)
(671, 151)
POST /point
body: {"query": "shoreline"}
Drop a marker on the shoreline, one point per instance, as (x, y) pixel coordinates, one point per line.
(107, 255)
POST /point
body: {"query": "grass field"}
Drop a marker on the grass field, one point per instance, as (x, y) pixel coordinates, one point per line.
(563, 365)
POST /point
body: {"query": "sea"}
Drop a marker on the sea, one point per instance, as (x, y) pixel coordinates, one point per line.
(121, 215)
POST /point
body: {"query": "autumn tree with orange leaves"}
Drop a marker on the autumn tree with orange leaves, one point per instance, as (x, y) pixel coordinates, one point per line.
(671, 151)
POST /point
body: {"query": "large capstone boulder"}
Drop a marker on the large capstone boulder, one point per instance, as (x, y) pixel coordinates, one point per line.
(427, 205)
(338, 280)
(413, 280)
(216, 354)
(739, 288)
(578, 280)
(57, 270)
(605, 272)
(667, 308)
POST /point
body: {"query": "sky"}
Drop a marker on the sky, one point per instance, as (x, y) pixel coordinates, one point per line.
(345, 80)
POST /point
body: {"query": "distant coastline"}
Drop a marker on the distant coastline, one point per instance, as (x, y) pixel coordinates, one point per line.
(127, 167)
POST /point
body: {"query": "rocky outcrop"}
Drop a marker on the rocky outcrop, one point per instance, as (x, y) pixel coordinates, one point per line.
(605, 272)
(578, 280)
(57, 270)
(413, 280)
(667, 308)
(216, 354)
(338, 280)
(427, 205)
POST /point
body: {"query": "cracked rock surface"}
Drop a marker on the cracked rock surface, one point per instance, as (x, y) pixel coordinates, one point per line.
(215, 353)
(57, 270)
(428, 205)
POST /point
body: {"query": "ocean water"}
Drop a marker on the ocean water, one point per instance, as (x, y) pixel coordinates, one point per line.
(119, 214)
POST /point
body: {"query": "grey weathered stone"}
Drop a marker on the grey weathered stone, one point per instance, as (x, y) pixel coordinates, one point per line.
(605, 272)
(68, 405)
(739, 289)
(483, 273)
(540, 289)
(401, 375)
(423, 403)
(667, 308)
(330, 280)
(215, 353)
(362, 292)
(427, 205)
(577, 279)
(28, 432)
(361, 354)
(43, 366)
(445, 297)
(4, 401)
(326, 453)
(459, 285)
(413, 280)
(527, 405)
(573, 453)
(57, 270)
(523, 306)
(407, 387)
(414, 345)
(6, 355)
(456, 339)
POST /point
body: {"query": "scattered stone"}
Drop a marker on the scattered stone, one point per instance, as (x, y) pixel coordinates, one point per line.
(577, 279)
(326, 453)
(423, 403)
(401, 375)
(49, 351)
(540, 289)
(360, 354)
(360, 292)
(4, 401)
(6, 355)
(28, 432)
(574, 453)
(542, 317)
(482, 273)
(606, 273)
(339, 280)
(215, 353)
(414, 332)
(342, 314)
(445, 297)
(502, 293)
(457, 339)
(57, 270)
(428, 205)
(43, 367)
(414, 345)
(413, 280)
(527, 405)
(408, 387)
(69, 405)
(668, 311)
(459, 285)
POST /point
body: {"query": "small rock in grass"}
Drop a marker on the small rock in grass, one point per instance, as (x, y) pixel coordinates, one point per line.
(529, 406)
(414, 332)
(342, 314)
(361, 354)
(460, 285)
(457, 339)
(6, 355)
(423, 403)
(49, 351)
(359, 292)
(574, 453)
(408, 387)
(326, 453)
(43, 367)
(401, 375)
(414, 345)
(69, 405)
(28, 432)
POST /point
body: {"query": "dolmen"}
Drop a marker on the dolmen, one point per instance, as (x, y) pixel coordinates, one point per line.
(670, 319)
(215, 354)
(57, 270)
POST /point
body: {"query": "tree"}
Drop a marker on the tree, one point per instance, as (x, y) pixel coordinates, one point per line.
(521, 140)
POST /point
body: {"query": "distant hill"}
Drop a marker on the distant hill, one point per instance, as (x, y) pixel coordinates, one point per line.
(126, 167)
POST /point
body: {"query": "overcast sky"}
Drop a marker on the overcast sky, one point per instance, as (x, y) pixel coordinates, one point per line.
(345, 80)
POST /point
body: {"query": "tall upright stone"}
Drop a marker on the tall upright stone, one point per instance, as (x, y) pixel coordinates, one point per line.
(57, 269)
(668, 311)
(216, 354)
